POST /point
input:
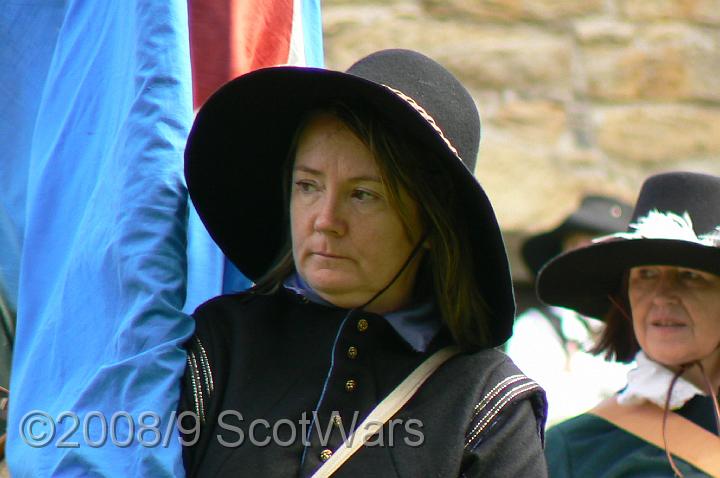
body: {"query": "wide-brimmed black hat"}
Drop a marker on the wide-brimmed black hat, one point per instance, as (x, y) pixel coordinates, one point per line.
(676, 222)
(597, 215)
(241, 138)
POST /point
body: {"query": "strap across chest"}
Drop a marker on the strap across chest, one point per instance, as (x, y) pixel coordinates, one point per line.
(686, 440)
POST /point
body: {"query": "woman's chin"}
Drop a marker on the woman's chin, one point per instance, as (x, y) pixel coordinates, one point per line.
(345, 301)
(336, 291)
(674, 359)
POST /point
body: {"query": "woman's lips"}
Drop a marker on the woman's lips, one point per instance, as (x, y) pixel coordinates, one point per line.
(328, 255)
(668, 322)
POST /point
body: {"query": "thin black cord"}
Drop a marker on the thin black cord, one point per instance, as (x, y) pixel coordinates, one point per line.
(666, 411)
(713, 394)
(412, 255)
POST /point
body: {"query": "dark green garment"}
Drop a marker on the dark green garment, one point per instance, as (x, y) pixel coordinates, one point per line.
(588, 446)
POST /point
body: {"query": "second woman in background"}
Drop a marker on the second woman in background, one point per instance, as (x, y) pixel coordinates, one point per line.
(657, 286)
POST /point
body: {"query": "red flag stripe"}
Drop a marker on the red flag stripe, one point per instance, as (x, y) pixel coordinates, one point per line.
(232, 37)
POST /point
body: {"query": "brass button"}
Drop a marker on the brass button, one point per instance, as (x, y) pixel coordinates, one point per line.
(362, 325)
(337, 420)
(350, 385)
(325, 454)
(352, 353)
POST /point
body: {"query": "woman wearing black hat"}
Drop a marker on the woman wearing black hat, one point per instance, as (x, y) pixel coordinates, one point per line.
(349, 199)
(658, 288)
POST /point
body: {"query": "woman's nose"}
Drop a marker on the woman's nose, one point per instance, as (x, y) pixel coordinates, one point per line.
(329, 218)
(666, 290)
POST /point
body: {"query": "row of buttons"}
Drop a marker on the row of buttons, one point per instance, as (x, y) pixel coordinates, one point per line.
(352, 353)
(327, 452)
(350, 385)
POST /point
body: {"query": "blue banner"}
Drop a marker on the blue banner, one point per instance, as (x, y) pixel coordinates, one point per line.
(95, 205)
(100, 254)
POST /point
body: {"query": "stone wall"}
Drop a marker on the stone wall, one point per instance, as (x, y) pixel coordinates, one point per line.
(575, 96)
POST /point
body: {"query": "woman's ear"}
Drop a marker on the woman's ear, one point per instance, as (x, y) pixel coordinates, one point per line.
(425, 240)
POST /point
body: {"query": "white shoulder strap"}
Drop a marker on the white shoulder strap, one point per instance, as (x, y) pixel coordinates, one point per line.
(385, 410)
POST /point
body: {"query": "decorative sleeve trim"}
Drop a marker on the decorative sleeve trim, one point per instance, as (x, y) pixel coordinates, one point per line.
(201, 378)
(497, 400)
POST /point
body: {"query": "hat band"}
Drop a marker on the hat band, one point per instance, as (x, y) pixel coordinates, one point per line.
(668, 225)
(426, 116)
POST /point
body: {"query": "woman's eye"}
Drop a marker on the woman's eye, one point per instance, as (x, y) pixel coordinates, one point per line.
(364, 195)
(690, 275)
(305, 186)
(643, 273)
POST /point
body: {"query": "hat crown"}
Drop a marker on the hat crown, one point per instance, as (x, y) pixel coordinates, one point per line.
(600, 214)
(659, 233)
(597, 215)
(434, 89)
(696, 194)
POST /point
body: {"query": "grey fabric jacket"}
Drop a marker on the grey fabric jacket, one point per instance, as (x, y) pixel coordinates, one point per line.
(259, 365)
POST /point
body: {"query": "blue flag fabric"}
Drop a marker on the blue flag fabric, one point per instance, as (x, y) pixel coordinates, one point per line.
(99, 250)
(27, 34)
(96, 190)
(24, 59)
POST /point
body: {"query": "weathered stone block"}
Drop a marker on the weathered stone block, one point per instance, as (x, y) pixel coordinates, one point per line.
(604, 31)
(523, 181)
(704, 11)
(524, 59)
(531, 121)
(482, 57)
(663, 63)
(658, 133)
(512, 10)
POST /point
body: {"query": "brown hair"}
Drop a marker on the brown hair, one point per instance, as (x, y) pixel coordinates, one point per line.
(406, 166)
(617, 340)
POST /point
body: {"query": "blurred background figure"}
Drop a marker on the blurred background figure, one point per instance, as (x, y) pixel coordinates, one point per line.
(552, 344)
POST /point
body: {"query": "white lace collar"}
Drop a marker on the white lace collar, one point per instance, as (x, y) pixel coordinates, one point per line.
(650, 381)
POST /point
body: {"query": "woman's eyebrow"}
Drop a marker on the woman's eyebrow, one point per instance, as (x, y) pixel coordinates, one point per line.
(368, 178)
(307, 169)
(360, 178)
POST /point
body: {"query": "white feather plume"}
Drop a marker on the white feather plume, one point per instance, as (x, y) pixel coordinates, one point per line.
(668, 225)
(712, 238)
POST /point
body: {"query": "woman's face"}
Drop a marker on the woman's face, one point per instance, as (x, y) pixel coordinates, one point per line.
(676, 313)
(348, 241)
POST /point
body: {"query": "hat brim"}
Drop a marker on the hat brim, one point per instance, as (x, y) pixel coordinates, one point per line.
(537, 250)
(239, 143)
(583, 278)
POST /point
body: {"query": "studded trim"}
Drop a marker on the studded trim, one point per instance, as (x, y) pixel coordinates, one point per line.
(201, 378)
(425, 115)
(205, 364)
(494, 403)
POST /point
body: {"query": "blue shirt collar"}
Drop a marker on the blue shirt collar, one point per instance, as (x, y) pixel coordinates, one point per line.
(417, 324)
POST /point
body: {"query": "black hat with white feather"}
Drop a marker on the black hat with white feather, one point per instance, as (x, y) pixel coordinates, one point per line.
(676, 222)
